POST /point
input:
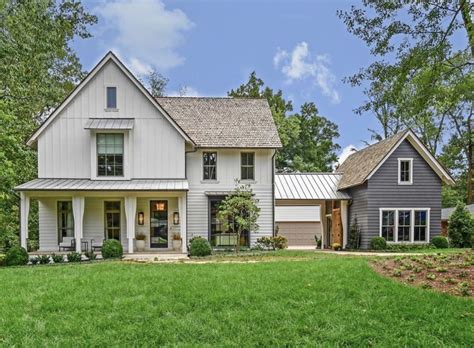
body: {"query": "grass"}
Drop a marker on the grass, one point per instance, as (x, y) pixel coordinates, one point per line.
(320, 300)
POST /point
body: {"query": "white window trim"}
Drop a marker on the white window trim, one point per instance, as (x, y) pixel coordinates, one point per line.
(412, 224)
(410, 160)
(127, 150)
(106, 109)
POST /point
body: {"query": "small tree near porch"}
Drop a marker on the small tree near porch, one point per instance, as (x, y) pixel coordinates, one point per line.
(239, 212)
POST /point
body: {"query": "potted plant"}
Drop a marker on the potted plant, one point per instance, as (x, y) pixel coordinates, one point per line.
(176, 241)
(140, 242)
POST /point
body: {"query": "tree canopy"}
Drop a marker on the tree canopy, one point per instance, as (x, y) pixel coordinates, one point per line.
(308, 138)
(422, 77)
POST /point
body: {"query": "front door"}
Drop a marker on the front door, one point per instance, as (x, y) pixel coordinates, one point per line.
(158, 224)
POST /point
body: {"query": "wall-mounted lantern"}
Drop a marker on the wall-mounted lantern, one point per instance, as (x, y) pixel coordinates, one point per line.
(141, 218)
(176, 218)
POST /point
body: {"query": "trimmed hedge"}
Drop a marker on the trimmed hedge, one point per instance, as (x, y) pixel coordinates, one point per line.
(440, 242)
(112, 249)
(16, 256)
(378, 243)
(199, 246)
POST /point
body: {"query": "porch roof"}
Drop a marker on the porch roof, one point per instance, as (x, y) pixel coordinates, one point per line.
(315, 186)
(109, 123)
(104, 185)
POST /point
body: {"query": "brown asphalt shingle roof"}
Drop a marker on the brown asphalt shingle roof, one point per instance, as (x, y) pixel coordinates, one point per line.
(357, 167)
(224, 122)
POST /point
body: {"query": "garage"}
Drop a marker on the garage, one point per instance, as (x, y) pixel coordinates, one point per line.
(299, 223)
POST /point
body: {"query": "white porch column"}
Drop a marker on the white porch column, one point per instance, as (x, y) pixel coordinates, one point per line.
(24, 212)
(78, 203)
(345, 224)
(130, 212)
(182, 221)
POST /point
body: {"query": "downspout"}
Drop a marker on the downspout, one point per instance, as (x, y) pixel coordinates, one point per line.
(186, 177)
(273, 192)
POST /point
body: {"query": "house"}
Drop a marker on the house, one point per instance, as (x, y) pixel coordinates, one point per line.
(392, 188)
(114, 162)
(446, 214)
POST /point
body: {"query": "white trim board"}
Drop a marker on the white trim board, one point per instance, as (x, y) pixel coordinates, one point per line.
(110, 56)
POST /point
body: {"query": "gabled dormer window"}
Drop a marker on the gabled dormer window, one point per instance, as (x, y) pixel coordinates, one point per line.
(405, 171)
(111, 96)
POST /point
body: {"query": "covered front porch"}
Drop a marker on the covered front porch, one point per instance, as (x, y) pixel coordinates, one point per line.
(81, 218)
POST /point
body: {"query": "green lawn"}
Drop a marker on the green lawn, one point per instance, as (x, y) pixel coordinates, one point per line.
(318, 300)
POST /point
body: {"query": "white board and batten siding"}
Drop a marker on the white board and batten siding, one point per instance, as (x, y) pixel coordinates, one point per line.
(67, 150)
(228, 169)
(297, 213)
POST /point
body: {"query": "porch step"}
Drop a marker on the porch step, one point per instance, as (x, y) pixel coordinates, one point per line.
(166, 256)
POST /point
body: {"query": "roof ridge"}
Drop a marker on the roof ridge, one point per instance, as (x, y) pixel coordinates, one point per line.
(209, 97)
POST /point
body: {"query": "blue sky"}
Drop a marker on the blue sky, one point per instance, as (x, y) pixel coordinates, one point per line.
(211, 46)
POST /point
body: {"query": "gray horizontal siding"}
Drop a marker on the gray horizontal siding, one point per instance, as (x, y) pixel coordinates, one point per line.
(359, 207)
(383, 191)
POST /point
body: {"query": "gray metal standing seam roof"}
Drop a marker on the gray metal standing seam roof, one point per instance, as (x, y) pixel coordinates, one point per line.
(109, 123)
(321, 186)
(104, 185)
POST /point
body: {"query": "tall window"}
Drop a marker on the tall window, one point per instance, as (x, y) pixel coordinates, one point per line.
(65, 220)
(109, 154)
(388, 225)
(404, 223)
(112, 220)
(247, 161)
(405, 171)
(421, 224)
(209, 161)
(111, 97)
(219, 235)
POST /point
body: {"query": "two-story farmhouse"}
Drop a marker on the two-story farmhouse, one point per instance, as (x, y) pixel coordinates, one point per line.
(114, 162)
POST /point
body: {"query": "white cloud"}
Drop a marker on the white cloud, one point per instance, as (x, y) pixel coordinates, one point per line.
(146, 32)
(346, 152)
(301, 65)
(185, 91)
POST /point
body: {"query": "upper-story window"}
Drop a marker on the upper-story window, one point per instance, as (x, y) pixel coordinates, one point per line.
(405, 171)
(110, 154)
(111, 98)
(247, 166)
(209, 162)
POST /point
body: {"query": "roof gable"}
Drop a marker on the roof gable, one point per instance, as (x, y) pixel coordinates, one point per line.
(362, 165)
(109, 57)
(224, 122)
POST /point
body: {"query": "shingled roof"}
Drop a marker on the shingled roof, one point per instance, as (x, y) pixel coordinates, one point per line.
(224, 122)
(358, 166)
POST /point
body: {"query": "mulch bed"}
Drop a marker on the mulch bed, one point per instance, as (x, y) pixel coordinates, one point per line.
(449, 273)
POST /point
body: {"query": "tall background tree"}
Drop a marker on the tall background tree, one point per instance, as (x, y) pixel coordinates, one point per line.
(308, 138)
(38, 68)
(422, 78)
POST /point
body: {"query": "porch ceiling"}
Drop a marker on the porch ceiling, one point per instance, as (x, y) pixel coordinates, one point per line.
(104, 185)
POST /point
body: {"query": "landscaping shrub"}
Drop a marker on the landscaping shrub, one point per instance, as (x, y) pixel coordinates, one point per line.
(91, 255)
(353, 241)
(57, 258)
(440, 242)
(74, 257)
(112, 249)
(199, 246)
(461, 227)
(2, 259)
(32, 245)
(16, 256)
(44, 259)
(34, 260)
(408, 247)
(378, 243)
(272, 243)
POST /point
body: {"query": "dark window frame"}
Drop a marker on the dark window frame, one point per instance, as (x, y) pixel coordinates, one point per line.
(209, 166)
(117, 168)
(60, 212)
(246, 167)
